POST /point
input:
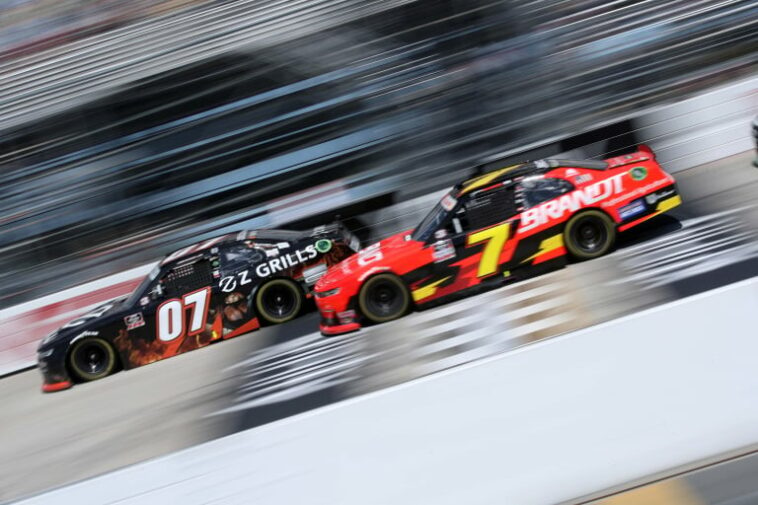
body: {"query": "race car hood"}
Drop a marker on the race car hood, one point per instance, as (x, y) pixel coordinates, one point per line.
(84, 323)
(392, 250)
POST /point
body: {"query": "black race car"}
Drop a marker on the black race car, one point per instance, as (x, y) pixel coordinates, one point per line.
(213, 290)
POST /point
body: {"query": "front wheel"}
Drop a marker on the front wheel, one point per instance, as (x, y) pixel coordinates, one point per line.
(589, 234)
(279, 301)
(383, 298)
(92, 359)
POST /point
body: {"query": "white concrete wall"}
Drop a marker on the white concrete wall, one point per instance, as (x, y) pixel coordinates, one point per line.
(707, 127)
(545, 423)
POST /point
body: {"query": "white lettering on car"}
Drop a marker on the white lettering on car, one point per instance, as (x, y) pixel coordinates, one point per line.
(269, 268)
(571, 202)
(370, 254)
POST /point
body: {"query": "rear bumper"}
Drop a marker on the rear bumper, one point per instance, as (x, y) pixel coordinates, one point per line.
(651, 205)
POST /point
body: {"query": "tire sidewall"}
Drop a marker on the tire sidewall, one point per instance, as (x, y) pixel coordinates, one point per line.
(575, 251)
(271, 319)
(83, 375)
(372, 281)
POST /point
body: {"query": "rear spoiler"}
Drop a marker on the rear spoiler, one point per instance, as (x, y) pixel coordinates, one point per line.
(644, 148)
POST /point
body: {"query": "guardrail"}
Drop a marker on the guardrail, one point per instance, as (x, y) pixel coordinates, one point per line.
(546, 423)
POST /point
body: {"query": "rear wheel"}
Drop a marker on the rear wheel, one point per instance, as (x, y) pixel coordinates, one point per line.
(92, 359)
(383, 298)
(279, 301)
(589, 234)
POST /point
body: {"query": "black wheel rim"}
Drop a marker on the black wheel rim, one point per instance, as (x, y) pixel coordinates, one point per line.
(590, 235)
(384, 299)
(279, 301)
(92, 359)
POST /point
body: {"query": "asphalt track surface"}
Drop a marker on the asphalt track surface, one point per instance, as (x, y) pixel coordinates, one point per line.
(51, 440)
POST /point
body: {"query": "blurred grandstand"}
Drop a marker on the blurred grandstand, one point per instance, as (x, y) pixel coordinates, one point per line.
(127, 132)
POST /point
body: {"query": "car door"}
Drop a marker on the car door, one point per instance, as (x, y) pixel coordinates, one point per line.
(238, 279)
(181, 308)
(480, 233)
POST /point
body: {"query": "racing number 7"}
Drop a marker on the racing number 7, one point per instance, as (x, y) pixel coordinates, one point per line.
(495, 238)
(170, 324)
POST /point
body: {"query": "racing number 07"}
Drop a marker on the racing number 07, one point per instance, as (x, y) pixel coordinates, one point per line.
(170, 323)
(495, 238)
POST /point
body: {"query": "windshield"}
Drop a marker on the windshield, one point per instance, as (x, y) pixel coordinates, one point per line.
(434, 219)
(140, 290)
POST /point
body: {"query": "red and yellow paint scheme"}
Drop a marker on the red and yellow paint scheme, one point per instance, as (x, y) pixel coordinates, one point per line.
(502, 226)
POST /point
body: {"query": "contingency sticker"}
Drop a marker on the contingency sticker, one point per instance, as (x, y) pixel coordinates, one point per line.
(133, 321)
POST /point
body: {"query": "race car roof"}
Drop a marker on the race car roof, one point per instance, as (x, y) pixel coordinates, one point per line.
(265, 235)
(524, 169)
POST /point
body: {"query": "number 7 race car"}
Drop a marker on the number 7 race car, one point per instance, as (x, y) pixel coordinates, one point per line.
(505, 225)
(210, 291)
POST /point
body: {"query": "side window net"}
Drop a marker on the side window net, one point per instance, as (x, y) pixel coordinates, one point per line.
(489, 208)
(184, 278)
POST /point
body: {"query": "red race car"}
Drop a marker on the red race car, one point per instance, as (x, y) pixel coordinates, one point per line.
(503, 226)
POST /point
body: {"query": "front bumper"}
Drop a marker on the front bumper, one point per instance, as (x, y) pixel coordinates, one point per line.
(56, 386)
(338, 329)
(334, 323)
(52, 366)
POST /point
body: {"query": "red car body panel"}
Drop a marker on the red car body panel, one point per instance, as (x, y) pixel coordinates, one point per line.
(630, 189)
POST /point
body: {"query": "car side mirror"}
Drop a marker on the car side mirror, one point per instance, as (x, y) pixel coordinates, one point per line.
(156, 293)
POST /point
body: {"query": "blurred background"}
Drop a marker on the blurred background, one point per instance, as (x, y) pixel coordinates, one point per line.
(129, 129)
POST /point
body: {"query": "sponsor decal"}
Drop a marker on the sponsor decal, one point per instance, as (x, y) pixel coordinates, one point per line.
(134, 321)
(638, 173)
(653, 198)
(571, 172)
(346, 317)
(631, 210)
(448, 202)
(571, 202)
(637, 192)
(443, 250)
(324, 245)
(283, 261)
(581, 179)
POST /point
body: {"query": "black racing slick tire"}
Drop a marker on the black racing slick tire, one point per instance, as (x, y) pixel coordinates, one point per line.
(92, 359)
(589, 234)
(279, 301)
(383, 298)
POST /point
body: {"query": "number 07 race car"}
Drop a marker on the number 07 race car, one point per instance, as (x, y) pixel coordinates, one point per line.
(210, 291)
(505, 225)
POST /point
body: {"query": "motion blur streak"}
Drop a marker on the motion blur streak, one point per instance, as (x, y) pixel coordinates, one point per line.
(178, 124)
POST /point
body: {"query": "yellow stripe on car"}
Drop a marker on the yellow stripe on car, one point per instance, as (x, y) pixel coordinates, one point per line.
(547, 245)
(485, 179)
(428, 290)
